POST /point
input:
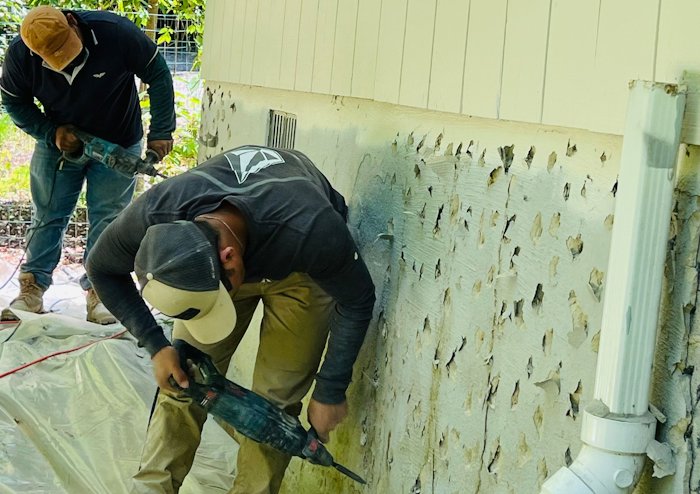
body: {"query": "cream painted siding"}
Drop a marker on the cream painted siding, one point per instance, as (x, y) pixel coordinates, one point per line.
(417, 49)
(557, 62)
(524, 59)
(365, 53)
(268, 44)
(290, 43)
(449, 47)
(323, 50)
(392, 30)
(306, 47)
(484, 64)
(344, 48)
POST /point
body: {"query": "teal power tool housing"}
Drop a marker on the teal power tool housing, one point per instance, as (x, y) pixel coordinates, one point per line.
(112, 155)
(249, 413)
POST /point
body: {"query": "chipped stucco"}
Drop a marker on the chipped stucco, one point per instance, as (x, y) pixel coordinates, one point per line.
(488, 242)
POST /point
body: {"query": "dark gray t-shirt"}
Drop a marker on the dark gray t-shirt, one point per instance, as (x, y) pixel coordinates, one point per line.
(296, 223)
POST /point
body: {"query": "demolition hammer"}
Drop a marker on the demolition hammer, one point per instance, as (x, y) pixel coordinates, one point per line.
(113, 155)
(249, 413)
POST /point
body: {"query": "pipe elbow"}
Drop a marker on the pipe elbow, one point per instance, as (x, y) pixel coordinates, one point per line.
(596, 471)
(611, 459)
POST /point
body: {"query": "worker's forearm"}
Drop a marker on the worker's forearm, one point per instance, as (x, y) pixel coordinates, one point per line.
(160, 91)
(348, 327)
(121, 298)
(352, 289)
(27, 116)
(108, 267)
(344, 344)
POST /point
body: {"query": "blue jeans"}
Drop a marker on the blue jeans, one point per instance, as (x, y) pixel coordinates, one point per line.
(55, 193)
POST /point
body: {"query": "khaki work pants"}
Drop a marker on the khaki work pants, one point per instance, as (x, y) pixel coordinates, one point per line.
(293, 336)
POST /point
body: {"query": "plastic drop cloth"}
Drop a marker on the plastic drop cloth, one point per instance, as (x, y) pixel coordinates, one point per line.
(76, 423)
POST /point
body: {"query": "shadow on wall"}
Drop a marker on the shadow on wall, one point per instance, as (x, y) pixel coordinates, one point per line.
(375, 218)
(374, 207)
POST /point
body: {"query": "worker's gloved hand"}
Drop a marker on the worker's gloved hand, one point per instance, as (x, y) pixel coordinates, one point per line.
(324, 417)
(66, 140)
(166, 363)
(161, 147)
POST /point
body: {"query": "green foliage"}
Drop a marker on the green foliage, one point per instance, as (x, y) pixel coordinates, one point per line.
(186, 10)
(187, 108)
(184, 153)
(6, 127)
(11, 11)
(14, 176)
(137, 10)
(11, 14)
(165, 35)
(14, 180)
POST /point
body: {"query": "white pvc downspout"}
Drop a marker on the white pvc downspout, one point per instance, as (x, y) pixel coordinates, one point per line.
(617, 427)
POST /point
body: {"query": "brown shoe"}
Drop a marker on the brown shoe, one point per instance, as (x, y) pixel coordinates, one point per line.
(96, 311)
(30, 298)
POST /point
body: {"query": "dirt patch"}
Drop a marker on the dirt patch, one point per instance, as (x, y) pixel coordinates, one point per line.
(72, 257)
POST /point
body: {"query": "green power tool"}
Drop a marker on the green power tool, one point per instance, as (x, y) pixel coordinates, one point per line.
(249, 413)
(113, 155)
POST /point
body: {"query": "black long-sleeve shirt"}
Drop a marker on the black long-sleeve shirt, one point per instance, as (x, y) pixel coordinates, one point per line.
(296, 223)
(100, 97)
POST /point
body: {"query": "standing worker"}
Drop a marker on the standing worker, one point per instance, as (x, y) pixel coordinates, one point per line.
(81, 68)
(253, 224)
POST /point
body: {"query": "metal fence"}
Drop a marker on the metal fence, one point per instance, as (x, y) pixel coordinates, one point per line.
(16, 217)
(180, 52)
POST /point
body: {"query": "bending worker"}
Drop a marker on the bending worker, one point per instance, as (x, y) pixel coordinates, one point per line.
(252, 224)
(80, 66)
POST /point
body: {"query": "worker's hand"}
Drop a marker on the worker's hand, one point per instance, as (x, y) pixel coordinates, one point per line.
(166, 363)
(324, 418)
(66, 140)
(162, 147)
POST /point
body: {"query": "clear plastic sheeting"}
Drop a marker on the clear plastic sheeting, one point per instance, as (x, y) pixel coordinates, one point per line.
(76, 422)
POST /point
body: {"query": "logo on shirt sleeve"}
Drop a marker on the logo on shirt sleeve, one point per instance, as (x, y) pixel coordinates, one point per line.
(244, 161)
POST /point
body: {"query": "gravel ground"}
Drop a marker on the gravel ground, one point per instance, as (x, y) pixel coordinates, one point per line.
(71, 257)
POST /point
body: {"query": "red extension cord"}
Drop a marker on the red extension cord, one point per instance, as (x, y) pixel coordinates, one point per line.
(61, 352)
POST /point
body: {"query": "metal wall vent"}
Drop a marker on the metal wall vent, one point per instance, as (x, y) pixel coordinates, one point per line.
(282, 130)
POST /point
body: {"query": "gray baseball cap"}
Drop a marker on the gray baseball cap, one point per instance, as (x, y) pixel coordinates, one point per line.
(179, 274)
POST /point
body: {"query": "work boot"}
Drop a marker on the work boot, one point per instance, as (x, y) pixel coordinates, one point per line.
(30, 298)
(96, 311)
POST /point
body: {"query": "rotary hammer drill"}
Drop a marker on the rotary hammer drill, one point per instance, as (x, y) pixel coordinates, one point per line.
(113, 155)
(249, 413)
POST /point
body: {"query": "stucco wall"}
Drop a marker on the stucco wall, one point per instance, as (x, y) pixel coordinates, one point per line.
(488, 242)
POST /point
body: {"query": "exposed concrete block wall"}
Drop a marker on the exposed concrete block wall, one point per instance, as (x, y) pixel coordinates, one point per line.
(488, 242)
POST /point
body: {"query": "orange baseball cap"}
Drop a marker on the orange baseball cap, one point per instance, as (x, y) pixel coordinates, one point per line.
(46, 32)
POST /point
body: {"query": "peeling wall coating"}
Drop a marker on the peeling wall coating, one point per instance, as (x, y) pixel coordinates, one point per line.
(488, 242)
